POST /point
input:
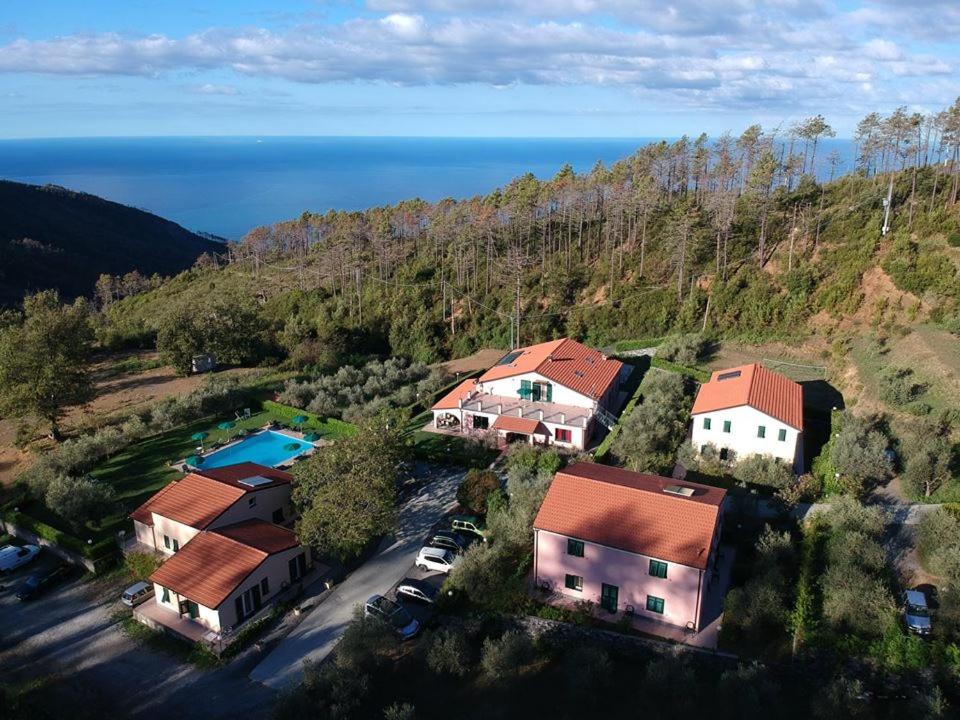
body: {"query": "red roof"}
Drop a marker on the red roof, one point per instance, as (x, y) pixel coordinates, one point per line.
(208, 568)
(234, 474)
(769, 392)
(451, 400)
(565, 361)
(261, 535)
(511, 423)
(631, 511)
(195, 501)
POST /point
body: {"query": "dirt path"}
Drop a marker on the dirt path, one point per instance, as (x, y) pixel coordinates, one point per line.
(480, 360)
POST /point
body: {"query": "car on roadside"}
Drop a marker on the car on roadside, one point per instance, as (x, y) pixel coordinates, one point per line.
(13, 556)
(469, 524)
(137, 593)
(436, 559)
(450, 540)
(39, 583)
(916, 612)
(394, 614)
(417, 590)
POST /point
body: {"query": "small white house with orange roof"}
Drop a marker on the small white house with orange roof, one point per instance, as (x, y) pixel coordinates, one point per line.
(552, 393)
(750, 410)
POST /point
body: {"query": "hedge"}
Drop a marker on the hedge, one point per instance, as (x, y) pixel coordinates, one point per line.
(604, 447)
(328, 425)
(94, 551)
(700, 376)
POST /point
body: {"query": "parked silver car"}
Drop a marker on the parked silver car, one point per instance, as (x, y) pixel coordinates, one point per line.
(403, 623)
(137, 593)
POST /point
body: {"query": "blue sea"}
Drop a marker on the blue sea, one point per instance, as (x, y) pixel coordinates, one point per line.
(226, 186)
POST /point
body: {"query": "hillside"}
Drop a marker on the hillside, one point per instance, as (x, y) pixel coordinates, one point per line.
(51, 237)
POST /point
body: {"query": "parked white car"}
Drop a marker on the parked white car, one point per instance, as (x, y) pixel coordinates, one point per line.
(136, 594)
(12, 557)
(436, 559)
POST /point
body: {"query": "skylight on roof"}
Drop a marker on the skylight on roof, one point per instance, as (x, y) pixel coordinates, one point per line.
(256, 481)
(678, 490)
(509, 358)
(728, 375)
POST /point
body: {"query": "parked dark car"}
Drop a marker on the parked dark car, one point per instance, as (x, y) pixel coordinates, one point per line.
(418, 590)
(452, 540)
(37, 584)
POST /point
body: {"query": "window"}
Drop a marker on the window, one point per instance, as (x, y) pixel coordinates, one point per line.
(706, 423)
(176, 545)
(726, 426)
(297, 567)
(574, 582)
(481, 422)
(563, 436)
(655, 604)
(575, 547)
(782, 435)
(166, 596)
(265, 586)
(761, 431)
(658, 568)
(166, 541)
(278, 516)
(252, 501)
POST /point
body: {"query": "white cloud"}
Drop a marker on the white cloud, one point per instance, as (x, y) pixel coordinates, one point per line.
(214, 89)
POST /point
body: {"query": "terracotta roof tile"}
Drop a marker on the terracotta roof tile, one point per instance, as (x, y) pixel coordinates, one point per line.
(233, 474)
(566, 362)
(630, 511)
(527, 426)
(261, 535)
(754, 385)
(208, 568)
(195, 500)
(451, 400)
(144, 513)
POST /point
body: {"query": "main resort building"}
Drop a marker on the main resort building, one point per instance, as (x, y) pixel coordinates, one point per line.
(553, 393)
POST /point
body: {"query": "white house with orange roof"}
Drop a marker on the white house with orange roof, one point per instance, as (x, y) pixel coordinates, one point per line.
(750, 410)
(552, 393)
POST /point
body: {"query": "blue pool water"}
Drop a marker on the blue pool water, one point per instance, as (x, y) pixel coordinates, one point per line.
(266, 448)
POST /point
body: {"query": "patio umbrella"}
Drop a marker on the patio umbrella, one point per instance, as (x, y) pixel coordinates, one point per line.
(193, 461)
(199, 437)
(300, 419)
(292, 446)
(226, 424)
(311, 437)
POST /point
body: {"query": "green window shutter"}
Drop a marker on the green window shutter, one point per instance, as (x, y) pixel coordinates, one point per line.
(166, 596)
(549, 392)
(526, 389)
(658, 568)
(575, 547)
(166, 541)
(726, 426)
(574, 582)
(655, 604)
(761, 431)
(706, 423)
(782, 435)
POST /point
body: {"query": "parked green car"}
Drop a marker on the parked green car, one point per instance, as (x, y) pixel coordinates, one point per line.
(470, 524)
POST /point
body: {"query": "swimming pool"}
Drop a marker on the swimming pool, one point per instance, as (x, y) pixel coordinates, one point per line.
(265, 448)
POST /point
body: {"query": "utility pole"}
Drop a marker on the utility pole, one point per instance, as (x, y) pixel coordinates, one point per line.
(517, 337)
(887, 202)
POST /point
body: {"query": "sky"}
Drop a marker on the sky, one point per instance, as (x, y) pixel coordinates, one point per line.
(515, 68)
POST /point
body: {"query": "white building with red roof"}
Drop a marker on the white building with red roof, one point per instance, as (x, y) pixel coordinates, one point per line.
(629, 542)
(552, 393)
(750, 410)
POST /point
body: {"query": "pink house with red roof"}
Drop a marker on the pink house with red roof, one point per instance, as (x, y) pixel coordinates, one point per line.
(629, 542)
(552, 393)
(750, 410)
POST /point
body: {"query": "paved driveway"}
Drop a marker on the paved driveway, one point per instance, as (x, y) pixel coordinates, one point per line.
(316, 635)
(70, 632)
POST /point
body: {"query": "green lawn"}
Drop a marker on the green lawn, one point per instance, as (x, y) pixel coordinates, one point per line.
(445, 448)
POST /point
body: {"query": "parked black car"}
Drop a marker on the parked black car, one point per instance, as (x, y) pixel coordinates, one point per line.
(37, 584)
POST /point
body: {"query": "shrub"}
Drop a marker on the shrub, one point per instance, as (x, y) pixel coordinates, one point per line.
(765, 471)
(476, 488)
(366, 639)
(78, 500)
(587, 669)
(652, 432)
(450, 652)
(141, 565)
(399, 711)
(683, 349)
(805, 488)
(858, 452)
(504, 657)
(899, 387)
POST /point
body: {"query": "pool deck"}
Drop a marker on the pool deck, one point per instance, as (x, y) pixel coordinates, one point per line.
(183, 466)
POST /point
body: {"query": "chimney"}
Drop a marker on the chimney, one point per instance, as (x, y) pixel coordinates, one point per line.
(460, 403)
(563, 418)
(499, 408)
(539, 414)
(520, 411)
